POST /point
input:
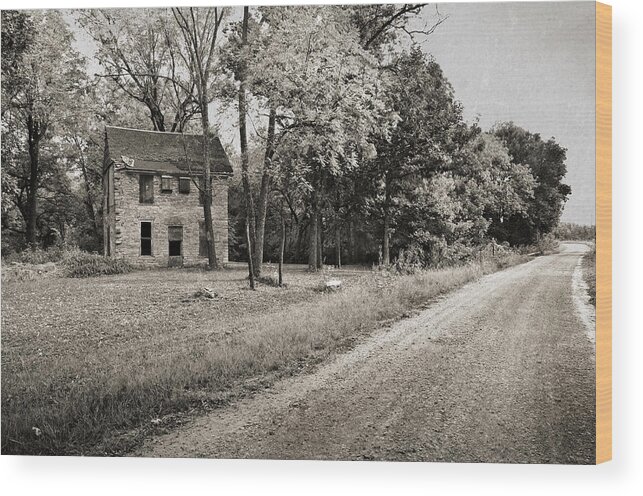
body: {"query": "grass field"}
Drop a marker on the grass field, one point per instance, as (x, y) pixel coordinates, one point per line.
(90, 366)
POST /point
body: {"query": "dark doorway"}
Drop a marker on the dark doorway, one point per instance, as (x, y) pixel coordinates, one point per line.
(175, 245)
(146, 238)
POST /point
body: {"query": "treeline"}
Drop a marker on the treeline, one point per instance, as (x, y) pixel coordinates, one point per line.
(568, 231)
(352, 147)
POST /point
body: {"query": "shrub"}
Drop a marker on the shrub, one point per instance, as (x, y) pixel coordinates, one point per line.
(547, 244)
(81, 264)
(567, 231)
(65, 261)
(17, 271)
(410, 260)
(37, 256)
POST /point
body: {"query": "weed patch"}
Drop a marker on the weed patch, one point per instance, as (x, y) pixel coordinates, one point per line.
(81, 264)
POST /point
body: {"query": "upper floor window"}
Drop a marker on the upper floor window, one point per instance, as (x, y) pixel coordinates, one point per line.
(184, 185)
(145, 188)
(166, 184)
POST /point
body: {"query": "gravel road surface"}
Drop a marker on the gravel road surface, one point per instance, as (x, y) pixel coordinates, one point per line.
(501, 370)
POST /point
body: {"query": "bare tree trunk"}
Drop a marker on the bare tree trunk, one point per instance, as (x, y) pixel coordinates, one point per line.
(156, 116)
(262, 208)
(207, 200)
(300, 239)
(281, 249)
(251, 273)
(312, 235)
(386, 255)
(201, 48)
(351, 241)
(320, 241)
(32, 191)
(89, 197)
(338, 245)
(243, 141)
(207, 176)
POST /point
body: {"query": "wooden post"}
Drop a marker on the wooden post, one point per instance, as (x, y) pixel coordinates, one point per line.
(251, 273)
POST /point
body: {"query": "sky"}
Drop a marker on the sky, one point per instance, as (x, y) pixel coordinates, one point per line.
(531, 63)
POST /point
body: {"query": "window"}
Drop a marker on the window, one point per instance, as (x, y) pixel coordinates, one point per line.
(166, 184)
(203, 240)
(175, 239)
(184, 185)
(146, 239)
(145, 189)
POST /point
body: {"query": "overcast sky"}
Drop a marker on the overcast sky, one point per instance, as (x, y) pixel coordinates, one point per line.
(531, 63)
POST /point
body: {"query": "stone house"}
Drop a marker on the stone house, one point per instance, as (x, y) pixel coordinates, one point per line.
(152, 208)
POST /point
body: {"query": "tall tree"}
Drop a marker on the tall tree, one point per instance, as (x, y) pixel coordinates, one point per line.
(51, 75)
(546, 162)
(140, 54)
(324, 90)
(251, 238)
(423, 140)
(17, 36)
(200, 29)
(245, 58)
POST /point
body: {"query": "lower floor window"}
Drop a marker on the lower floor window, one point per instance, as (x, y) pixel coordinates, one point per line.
(146, 238)
(175, 240)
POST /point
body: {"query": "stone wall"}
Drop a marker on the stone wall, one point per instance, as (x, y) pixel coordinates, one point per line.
(168, 209)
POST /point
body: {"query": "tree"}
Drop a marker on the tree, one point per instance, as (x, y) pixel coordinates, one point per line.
(546, 163)
(254, 259)
(200, 30)
(51, 78)
(17, 36)
(380, 25)
(140, 53)
(489, 186)
(422, 142)
(82, 148)
(320, 91)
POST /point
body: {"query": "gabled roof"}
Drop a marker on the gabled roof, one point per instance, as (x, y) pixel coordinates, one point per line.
(164, 152)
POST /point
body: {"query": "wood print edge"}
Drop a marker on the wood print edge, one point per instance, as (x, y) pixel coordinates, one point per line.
(603, 232)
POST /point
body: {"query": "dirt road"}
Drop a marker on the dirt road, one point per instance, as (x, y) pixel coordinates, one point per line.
(501, 370)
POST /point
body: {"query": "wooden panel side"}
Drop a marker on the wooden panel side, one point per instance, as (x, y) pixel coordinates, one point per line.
(603, 232)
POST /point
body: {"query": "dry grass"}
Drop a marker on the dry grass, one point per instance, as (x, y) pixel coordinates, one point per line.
(85, 360)
(589, 273)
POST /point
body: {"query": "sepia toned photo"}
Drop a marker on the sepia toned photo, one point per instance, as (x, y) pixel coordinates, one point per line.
(310, 232)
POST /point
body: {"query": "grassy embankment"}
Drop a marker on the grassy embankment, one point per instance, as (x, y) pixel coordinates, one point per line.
(589, 273)
(89, 365)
